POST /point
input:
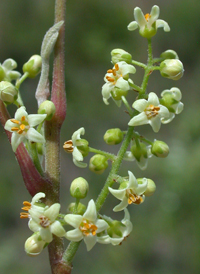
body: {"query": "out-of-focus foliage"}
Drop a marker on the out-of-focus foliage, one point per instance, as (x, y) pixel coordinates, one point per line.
(165, 237)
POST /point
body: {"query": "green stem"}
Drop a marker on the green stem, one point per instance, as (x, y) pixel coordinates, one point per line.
(106, 154)
(21, 80)
(130, 110)
(138, 64)
(135, 87)
(71, 252)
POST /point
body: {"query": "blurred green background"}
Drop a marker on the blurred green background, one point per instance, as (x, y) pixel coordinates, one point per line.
(165, 237)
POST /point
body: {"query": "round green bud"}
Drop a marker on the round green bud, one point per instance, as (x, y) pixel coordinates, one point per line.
(47, 107)
(83, 146)
(80, 209)
(113, 136)
(172, 69)
(98, 164)
(33, 66)
(160, 149)
(119, 55)
(123, 185)
(8, 92)
(2, 73)
(79, 188)
(117, 93)
(139, 151)
(34, 245)
(151, 187)
(169, 54)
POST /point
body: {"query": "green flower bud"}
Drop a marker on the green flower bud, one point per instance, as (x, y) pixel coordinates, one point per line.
(151, 187)
(139, 151)
(79, 188)
(83, 146)
(98, 163)
(169, 54)
(33, 66)
(160, 149)
(2, 73)
(8, 92)
(172, 69)
(80, 210)
(119, 55)
(113, 136)
(117, 93)
(34, 245)
(47, 107)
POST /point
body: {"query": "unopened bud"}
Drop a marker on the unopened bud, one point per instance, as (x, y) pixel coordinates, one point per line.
(83, 146)
(34, 245)
(98, 164)
(113, 136)
(160, 149)
(169, 54)
(8, 92)
(47, 107)
(119, 55)
(80, 209)
(151, 187)
(79, 188)
(172, 69)
(33, 66)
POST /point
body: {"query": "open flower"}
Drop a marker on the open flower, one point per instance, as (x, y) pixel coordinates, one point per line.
(86, 226)
(22, 127)
(149, 23)
(70, 146)
(171, 99)
(117, 78)
(152, 112)
(43, 218)
(118, 232)
(131, 193)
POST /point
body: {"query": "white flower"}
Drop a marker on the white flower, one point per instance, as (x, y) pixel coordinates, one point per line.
(70, 146)
(128, 156)
(174, 105)
(131, 194)
(22, 127)
(149, 23)
(151, 112)
(124, 229)
(43, 218)
(116, 78)
(86, 226)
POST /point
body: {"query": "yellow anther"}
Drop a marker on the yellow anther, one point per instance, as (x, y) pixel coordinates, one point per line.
(15, 121)
(147, 16)
(151, 111)
(22, 127)
(14, 128)
(116, 67)
(86, 228)
(24, 215)
(110, 71)
(110, 79)
(133, 198)
(26, 203)
(23, 118)
(68, 146)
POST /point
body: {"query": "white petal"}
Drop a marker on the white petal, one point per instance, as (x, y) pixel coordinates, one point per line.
(34, 136)
(9, 64)
(103, 239)
(118, 193)
(74, 235)
(33, 226)
(36, 119)
(20, 112)
(106, 89)
(122, 84)
(73, 220)
(77, 155)
(79, 164)
(116, 241)
(140, 105)
(37, 197)
(90, 241)
(132, 183)
(142, 163)
(162, 24)
(155, 123)
(179, 108)
(169, 119)
(138, 120)
(46, 234)
(76, 135)
(122, 205)
(132, 26)
(16, 139)
(126, 69)
(9, 125)
(91, 212)
(128, 156)
(101, 225)
(163, 112)
(141, 187)
(153, 99)
(155, 11)
(52, 212)
(57, 229)
(139, 17)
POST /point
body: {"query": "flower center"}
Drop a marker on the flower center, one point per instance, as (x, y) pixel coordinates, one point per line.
(133, 198)
(26, 207)
(88, 228)
(151, 111)
(21, 126)
(45, 222)
(68, 146)
(147, 17)
(115, 74)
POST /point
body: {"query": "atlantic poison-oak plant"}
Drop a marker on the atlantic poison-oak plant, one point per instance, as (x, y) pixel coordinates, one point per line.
(35, 141)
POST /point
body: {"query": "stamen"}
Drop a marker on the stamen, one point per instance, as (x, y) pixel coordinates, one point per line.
(68, 146)
(26, 203)
(110, 79)
(22, 127)
(14, 128)
(15, 121)
(23, 118)
(20, 131)
(133, 198)
(151, 111)
(24, 215)
(45, 222)
(86, 228)
(110, 71)
(147, 17)
(116, 67)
